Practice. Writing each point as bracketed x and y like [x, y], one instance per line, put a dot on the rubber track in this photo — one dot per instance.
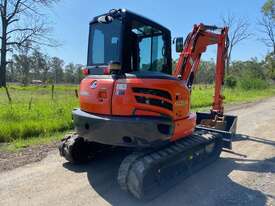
[181, 159]
[66, 147]
[76, 150]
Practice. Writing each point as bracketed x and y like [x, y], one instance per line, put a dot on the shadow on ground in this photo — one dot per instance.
[242, 137]
[210, 186]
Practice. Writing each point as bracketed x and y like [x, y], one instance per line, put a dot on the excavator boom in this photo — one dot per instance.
[195, 44]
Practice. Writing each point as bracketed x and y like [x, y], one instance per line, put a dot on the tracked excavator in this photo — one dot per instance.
[131, 98]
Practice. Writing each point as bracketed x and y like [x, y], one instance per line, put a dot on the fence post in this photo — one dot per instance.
[52, 90]
[8, 94]
[76, 93]
[30, 104]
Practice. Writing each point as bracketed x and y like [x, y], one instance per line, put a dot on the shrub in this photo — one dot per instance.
[231, 81]
[252, 83]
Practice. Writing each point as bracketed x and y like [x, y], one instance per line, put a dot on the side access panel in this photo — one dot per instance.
[95, 94]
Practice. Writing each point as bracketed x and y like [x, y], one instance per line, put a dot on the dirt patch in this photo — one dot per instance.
[10, 160]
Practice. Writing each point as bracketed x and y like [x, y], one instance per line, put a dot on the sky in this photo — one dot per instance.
[71, 19]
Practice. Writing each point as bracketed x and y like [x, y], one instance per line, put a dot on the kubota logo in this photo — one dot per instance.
[94, 84]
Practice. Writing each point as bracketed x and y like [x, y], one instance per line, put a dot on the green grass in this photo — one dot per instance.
[203, 96]
[20, 143]
[45, 119]
[33, 112]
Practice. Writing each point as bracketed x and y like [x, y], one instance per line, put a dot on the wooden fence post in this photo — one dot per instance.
[76, 93]
[30, 104]
[52, 90]
[8, 94]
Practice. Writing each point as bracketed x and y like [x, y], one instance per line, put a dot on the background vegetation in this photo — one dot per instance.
[29, 65]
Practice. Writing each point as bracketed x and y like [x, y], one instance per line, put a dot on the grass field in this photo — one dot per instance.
[33, 112]
[203, 96]
[36, 116]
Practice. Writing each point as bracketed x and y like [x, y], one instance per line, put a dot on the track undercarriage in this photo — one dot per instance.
[147, 173]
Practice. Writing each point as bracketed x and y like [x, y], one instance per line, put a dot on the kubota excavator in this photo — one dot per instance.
[131, 98]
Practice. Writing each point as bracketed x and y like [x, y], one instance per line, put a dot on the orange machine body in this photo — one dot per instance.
[131, 97]
[126, 101]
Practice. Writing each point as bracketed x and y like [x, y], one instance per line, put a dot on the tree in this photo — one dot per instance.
[252, 69]
[11, 76]
[22, 21]
[57, 69]
[206, 72]
[269, 64]
[268, 9]
[79, 74]
[38, 62]
[22, 63]
[45, 68]
[267, 24]
[238, 32]
[70, 71]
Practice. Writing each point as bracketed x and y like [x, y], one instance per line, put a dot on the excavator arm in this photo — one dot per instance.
[195, 44]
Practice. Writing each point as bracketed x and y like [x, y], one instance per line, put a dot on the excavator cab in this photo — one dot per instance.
[124, 41]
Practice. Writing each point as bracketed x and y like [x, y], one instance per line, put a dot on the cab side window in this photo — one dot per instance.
[149, 51]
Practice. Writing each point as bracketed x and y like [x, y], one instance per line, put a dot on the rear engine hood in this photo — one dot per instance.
[96, 94]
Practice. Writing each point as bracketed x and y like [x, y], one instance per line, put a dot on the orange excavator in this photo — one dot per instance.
[131, 98]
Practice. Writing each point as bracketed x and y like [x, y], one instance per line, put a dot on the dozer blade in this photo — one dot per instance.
[226, 126]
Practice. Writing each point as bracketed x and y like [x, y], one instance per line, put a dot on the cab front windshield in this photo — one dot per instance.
[104, 43]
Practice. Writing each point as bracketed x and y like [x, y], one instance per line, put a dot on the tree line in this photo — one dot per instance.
[27, 67]
[262, 71]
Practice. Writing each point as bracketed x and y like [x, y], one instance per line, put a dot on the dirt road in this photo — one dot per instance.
[232, 180]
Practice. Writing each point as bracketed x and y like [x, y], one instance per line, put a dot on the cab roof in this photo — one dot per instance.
[124, 12]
